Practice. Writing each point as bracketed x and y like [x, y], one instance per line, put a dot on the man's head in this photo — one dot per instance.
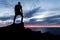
[19, 3]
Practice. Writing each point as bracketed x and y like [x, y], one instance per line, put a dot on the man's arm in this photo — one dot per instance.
[21, 9]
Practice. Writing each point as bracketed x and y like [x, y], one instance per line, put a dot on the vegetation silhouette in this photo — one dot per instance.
[27, 33]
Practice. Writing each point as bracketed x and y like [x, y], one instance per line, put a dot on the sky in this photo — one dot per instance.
[34, 11]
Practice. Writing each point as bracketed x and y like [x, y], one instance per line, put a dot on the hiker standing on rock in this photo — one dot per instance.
[18, 11]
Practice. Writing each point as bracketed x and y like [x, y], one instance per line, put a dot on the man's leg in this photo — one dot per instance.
[14, 19]
[21, 17]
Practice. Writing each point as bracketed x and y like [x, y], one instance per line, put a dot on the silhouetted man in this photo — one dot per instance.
[18, 11]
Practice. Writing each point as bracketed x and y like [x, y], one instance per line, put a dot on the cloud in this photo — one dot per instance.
[36, 15]
[50, 4]
[6, 12]
[45, 17]
[31, 12]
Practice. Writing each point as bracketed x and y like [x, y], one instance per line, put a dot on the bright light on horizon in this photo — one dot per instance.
[41, 26]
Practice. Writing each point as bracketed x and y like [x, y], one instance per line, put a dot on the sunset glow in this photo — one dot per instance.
[41, 26]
